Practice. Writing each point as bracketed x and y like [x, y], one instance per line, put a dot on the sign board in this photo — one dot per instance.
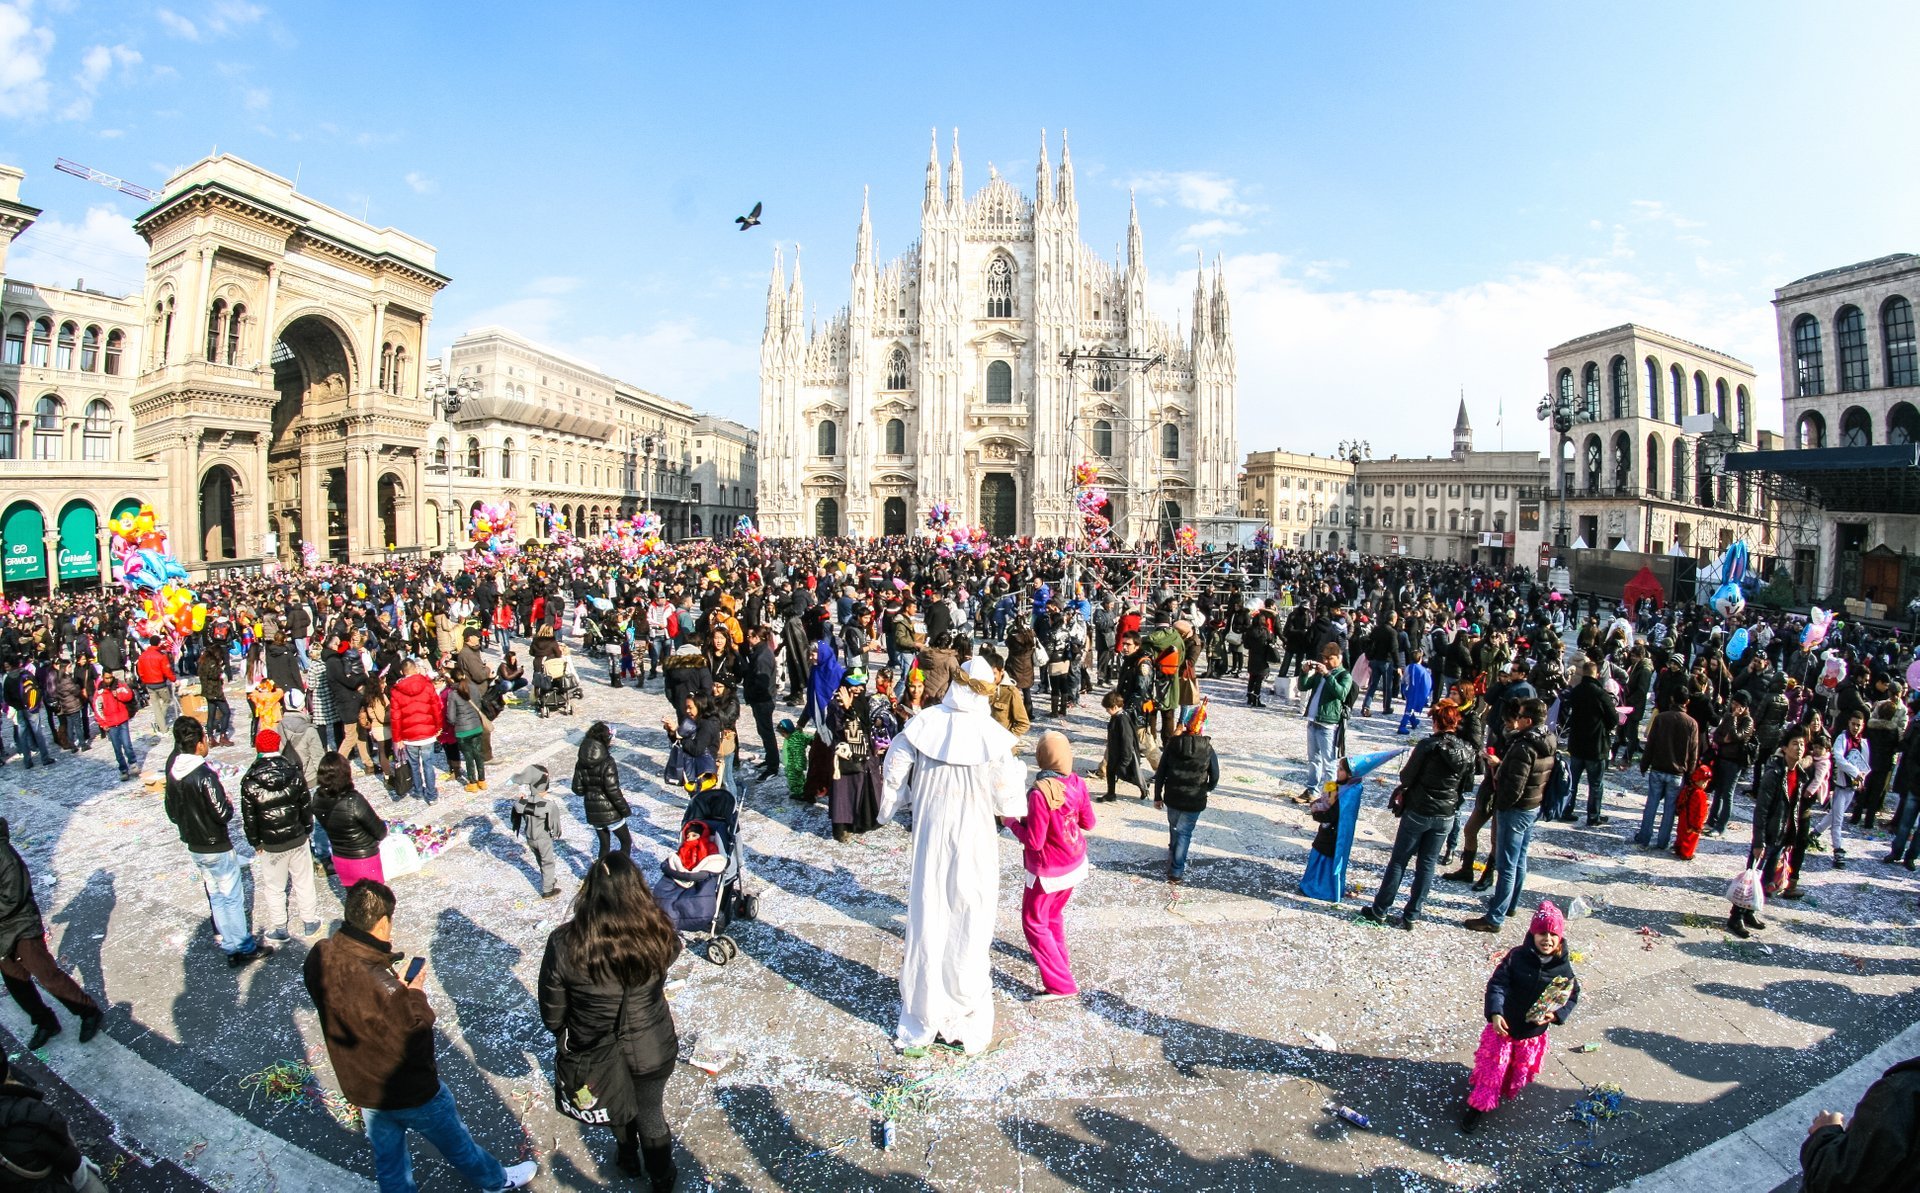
[24, 533]
[79, 543]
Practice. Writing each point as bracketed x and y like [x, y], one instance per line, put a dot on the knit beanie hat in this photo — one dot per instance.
[267, 741]
[1548, 919]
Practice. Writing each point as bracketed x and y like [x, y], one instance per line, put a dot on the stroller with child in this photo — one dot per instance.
[700, 886]
[556, 687]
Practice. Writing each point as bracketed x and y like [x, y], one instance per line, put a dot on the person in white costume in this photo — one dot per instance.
[954, 767]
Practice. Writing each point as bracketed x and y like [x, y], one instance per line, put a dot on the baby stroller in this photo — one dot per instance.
[559, 688]
[700, 887]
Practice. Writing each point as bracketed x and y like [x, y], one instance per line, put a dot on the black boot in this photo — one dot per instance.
[1753, 921]
[1735, 926]
[628, 1155]
[661, 1170]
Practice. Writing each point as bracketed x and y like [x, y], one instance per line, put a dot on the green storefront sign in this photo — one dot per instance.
[79, 543]
[23, 533]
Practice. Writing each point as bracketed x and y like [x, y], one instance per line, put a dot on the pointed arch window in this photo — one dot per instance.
[1566, 387]
[1590, 389]
[1103, 377]
[897, 368]
[1678, 394]
[1103, 439]
[1720, 402]
[1654, 454]
[1699, 393]
[1810, 376]
[1622, 403]
[1896, 332]
[1850, 329]
[1653, 389]
[1000, 289]
[1743, 411]
[63, 353]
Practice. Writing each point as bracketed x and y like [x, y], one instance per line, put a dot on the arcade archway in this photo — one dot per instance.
[219, 529]
[313, 374]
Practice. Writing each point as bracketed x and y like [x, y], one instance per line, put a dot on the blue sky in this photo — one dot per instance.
[1410, 200]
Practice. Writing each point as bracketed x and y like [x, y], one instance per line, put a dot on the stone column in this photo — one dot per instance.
[50, 542]
[267, 332]
[105, 555]
[202, 300]
[359, 489]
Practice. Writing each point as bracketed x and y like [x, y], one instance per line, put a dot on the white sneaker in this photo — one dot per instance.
[521, 1175]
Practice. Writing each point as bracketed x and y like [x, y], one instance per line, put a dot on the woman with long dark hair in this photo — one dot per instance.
[602, 981]
[596, 780]
[353, 828]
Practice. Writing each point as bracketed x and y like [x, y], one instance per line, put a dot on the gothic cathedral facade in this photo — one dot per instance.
[981, 367]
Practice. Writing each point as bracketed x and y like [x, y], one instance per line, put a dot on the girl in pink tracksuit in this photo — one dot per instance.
[1054, 834]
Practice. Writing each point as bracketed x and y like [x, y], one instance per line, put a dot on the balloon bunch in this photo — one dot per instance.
[140, 548]
[743, 528]
[1085, 473]
[1187, 540]
[961, 540]
[1091, 501]
[1263, 539]
[1833, 671]
[1819, 621]
[635, 538]
[939, 516]
[491, 528]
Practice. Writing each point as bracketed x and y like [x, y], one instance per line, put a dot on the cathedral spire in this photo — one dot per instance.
[1220, 316]
[776, 295]
[797, 296]
[1136, 255]
[1042, 176]
[933, 168]
[863, 244]
[1202, 314]
[1066, 173]
[956, 190]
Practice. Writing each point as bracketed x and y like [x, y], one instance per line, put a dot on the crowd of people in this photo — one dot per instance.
[917, 678]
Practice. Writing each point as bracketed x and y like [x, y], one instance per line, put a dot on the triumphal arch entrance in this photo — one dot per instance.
[281, 381]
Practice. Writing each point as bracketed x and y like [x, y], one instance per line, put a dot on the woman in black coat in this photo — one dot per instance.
[1433, 781]
[596, 780]
[354, 830]
[602, 980]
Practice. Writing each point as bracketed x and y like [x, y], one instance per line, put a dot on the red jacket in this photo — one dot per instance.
[413, 710]
[111, 704]
[153, 666]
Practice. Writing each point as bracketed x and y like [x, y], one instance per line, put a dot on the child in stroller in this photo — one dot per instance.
[700, 887]
[557, 687]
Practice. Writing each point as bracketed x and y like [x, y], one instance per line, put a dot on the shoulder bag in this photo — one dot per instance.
[593, 1085]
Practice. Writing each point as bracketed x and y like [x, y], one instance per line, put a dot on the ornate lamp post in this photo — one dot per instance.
[1562, 413]
[1355, 450]
[447, 396]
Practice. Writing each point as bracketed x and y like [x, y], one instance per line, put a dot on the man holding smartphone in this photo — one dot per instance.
[1327, 685]
[379, 1032]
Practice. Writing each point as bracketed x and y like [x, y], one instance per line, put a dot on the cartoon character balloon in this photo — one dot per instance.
[1737, 645]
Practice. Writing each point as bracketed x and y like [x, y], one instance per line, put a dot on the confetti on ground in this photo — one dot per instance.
[1647, 938]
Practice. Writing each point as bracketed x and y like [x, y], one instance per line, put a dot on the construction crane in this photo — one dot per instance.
[92, 175]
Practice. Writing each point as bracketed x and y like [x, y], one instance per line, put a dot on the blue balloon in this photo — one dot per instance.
[1737, 645]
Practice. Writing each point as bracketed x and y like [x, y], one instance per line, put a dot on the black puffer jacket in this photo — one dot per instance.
[1770, 803]
[1525, 766]
[353, 827]
[346, 681]
[586, 1013]
[19, 914]
[596, 780]
[1592, 716]
[687, 674]
[275, 807]
[1519, 981]
[198, 805]
[1438, 774]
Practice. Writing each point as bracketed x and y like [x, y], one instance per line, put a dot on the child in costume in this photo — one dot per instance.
[1123, 746]
[1531, 989]
[1418, 690]
[1694, 802]
[1054, 835]
[534, 818]
[793, 757]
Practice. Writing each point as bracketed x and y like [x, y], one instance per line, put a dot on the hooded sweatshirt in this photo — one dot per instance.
[1053, 831]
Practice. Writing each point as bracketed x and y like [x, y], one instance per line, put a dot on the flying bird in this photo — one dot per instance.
[749, 220]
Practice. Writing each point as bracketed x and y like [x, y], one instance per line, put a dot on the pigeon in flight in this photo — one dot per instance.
[749, 220]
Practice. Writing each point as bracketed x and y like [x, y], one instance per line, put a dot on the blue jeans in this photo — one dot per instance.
[227, 898]
[320, 845]
[1381, 678]
[1322, 761]
[439, 1121]
[79, 733]
[420, 763]
[1595, 771]
[1422, 835]
[27, 739]
[122, 742]
[1906, 842]
[1179, 837]
[1663, 794]
[1512, 834]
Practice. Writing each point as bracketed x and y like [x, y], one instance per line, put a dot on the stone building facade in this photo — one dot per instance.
[1639, 471]
[982, 365]
[726, 474]
[1467, 506]
[68, 359]
[537, 426]
[1850, 378]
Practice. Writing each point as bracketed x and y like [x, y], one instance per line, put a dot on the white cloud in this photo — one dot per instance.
[218, 19]
[1212, 230]
[1318, 364]
[555, 284]
[256, 99]
[24, 48]
[96, 65]
[1195, 190]
[102, 248]
[421, 184]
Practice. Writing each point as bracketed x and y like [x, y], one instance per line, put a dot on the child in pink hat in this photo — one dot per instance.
[1531, 989]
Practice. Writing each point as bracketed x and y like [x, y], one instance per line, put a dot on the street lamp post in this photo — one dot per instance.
[1562, 413]
[1355, 450]
[447, 396]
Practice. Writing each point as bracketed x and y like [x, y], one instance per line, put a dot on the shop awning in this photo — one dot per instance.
[1867, 480]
